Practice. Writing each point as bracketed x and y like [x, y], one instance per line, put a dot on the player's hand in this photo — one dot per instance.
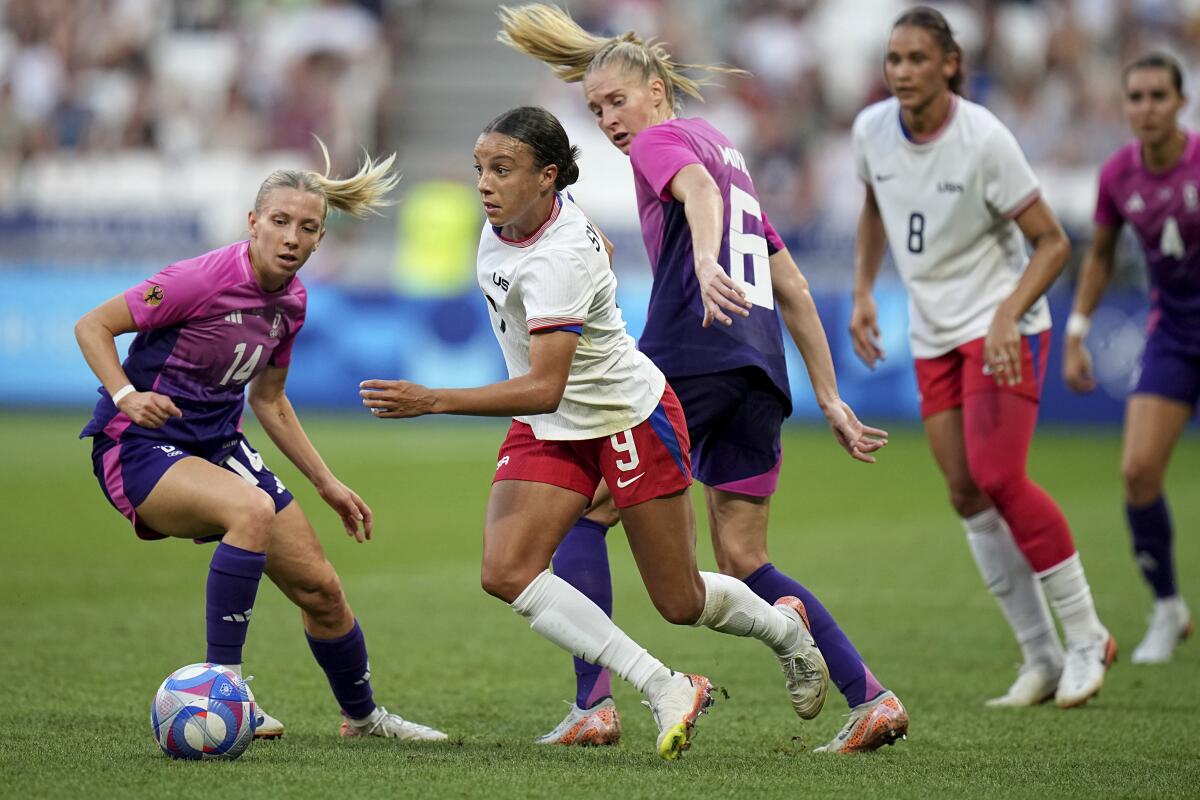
[859, 440]
[864, 330]
[349, 506]
[1002, 349]
[396, 399]
[148, 409]
[1077, 366]
[720, 293]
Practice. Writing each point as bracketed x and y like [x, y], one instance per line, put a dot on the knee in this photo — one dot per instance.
[682, 607]
[251, 517]
[1143, 481]
[968, 499]
[503, 582]
[740, 563]
[604, 513]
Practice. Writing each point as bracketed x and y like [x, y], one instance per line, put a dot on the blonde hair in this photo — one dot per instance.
[361, 194]
[550, 35]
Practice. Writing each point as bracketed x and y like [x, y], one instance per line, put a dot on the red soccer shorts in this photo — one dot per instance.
[647, 461]
[944, 381]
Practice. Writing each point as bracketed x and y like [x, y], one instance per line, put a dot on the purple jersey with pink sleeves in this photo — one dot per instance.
[205, 329]
[1164, 209]
[673, 337]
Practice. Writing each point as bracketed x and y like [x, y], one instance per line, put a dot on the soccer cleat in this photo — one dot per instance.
[598, 725]
[1083, 671]
[871, 725]
[390, 726]
[1035, 684]
[1170, 624]
[807, 675]
[676, 710]
[266, 726]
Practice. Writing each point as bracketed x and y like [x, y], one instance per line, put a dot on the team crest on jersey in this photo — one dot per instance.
[1135, 204]
[153, 296]
[1191, 197]
[275, 325]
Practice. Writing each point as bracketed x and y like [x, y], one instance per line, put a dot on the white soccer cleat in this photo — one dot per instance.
[804, 668]
[1035, 684]
[872, 725]
[267, 727]
[1083, 671]
[676, 709]
[1170, 624]
[390, 726]
[598, 725]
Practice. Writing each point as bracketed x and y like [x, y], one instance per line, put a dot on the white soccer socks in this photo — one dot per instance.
[1071, 598]
[1012, 582]
[731, 607]
[565, 616]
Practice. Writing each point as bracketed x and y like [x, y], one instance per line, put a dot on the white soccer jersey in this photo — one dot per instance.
[559, 278]
[948, 207]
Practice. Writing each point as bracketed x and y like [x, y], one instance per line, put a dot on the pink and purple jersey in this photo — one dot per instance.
[205, 329]
[1164, 209]
[673, 337]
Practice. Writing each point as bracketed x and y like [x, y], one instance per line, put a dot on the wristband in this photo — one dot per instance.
[123, 392]
[1078, 325]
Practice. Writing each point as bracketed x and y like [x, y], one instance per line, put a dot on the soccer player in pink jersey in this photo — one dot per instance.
[716, 258]
[949, 191]
[587, 406]
[1153, 184]
[168, 447]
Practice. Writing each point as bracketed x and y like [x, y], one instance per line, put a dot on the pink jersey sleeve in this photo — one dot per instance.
[1108, 213]
[774, 240]
[657, 154]
[178, 293]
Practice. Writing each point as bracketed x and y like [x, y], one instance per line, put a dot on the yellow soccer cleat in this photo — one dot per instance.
[676, 710]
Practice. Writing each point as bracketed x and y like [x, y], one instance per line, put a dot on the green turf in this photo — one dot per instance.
[91, 620]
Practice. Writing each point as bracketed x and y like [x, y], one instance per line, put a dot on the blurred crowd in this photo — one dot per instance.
[177, 76]
[173, 77]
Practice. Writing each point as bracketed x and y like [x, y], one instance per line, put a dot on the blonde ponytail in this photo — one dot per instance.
[548, 34]
[362, 193]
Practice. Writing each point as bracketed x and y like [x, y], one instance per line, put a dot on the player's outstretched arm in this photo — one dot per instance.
[96, 332]
[1002, 345]
[803, 322]
[1093, 280]
[278, 418]
[869, 246]
[705, 211]
[538, 391]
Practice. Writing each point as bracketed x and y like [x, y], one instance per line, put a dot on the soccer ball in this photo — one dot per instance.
[203, 711]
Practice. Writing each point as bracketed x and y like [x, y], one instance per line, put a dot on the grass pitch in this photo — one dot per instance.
[91, 620]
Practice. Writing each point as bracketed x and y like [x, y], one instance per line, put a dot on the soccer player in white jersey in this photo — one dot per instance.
[1152, 184]
[948, 189]
[587, 406]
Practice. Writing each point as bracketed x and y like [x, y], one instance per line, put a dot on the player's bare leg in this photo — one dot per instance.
[296, 563]
[195, 499]
[1004, 569]
[1153, 424]
[581, 559]
[738, 523]
[662, 537]
[517, 548]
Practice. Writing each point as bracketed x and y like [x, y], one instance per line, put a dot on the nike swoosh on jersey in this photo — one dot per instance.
[881, 178]
[622, 483]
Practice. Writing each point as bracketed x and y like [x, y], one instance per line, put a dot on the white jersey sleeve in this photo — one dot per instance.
[1009, 183]
[558, 290]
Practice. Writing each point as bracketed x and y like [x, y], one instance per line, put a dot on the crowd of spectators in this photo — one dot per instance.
[175, 76]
